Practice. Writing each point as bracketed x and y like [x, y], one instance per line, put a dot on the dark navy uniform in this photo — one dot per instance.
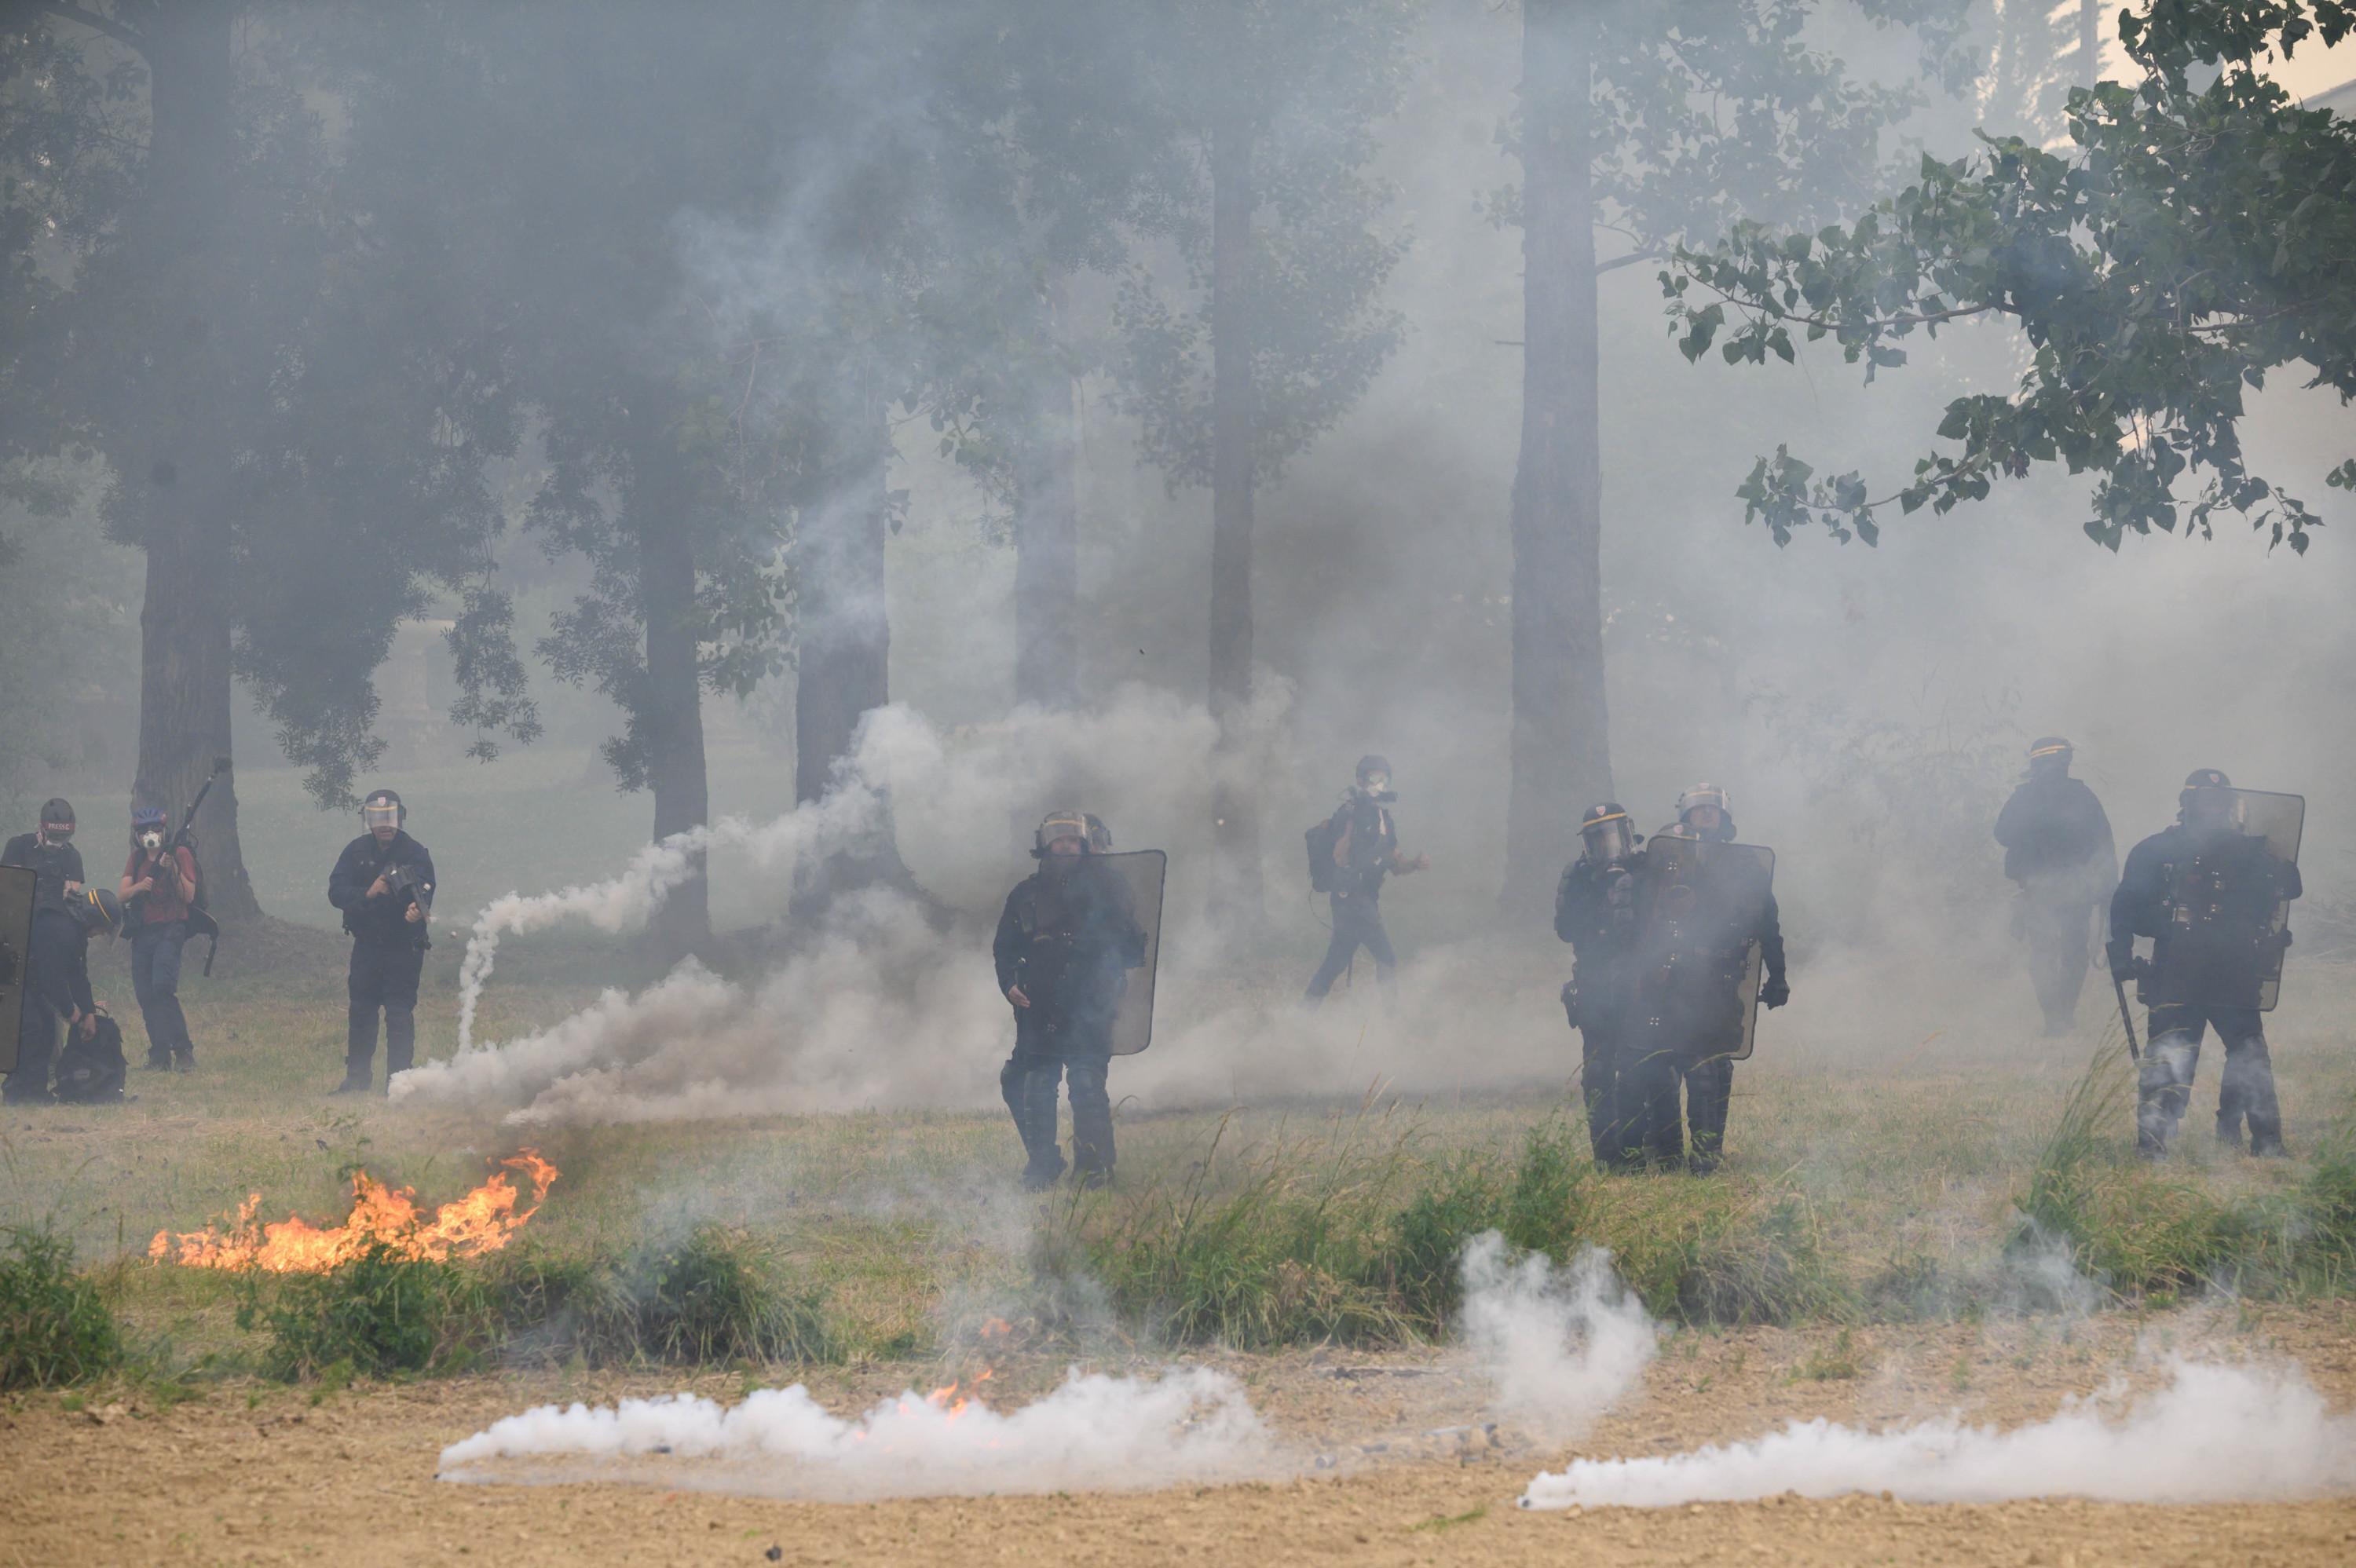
[387, 952]
[1068, 940]
[2058, 848]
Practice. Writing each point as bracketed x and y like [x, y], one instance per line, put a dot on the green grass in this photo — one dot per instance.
[1857, 1191]
[56, 1327]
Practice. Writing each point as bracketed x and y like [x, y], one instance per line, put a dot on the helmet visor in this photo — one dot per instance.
[1608, 840]
[379, 813]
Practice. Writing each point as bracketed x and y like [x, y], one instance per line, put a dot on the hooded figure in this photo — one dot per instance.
[2208, 893]
[2058, 850]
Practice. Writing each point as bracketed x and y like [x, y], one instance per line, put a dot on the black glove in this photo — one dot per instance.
[2125, 966]
[1775, 992]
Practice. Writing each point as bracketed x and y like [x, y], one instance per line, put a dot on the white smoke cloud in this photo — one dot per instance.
[1094, 1433]
[1561, 1344]
[2213, 1434]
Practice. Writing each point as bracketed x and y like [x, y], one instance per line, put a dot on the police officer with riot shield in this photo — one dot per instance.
[57, 869]
[383, 881]
[1710, 954]
[1075, 952]
[2214, 892]
[1363, 849]
[2058, 850]
[1595, 911]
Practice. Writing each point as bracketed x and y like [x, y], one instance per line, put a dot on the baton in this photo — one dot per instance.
[2126, 1017]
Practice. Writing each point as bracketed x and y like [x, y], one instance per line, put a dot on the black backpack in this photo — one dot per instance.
[1325, 876]
[92, 1071]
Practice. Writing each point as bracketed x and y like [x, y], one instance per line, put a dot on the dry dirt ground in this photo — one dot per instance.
[260, 1474]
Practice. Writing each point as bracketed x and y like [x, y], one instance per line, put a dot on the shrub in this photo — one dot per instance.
[715, 1296]
[55, 1327]
[379, 1315]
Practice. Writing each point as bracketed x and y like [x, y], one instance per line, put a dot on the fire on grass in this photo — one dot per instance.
[483, 1220]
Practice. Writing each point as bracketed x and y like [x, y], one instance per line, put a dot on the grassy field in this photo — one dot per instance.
[1856, 1192]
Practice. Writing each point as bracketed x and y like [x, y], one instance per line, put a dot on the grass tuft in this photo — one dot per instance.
[56, 1327]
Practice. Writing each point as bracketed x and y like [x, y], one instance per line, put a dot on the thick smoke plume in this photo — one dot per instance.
[1563, 1345]
[1094, 1433]
[2214, 1434]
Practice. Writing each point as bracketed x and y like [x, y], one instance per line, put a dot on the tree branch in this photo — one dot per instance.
[1632, 259]
[94, 22]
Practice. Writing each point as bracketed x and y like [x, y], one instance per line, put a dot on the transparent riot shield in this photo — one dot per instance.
[1699, 908]
[1094, 943]
[2281, 821]
[16, 955]
[1141, 873]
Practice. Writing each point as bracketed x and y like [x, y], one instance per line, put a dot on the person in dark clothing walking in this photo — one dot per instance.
[1066, 942]
[59, 992]
[57, 878]
[2210, 894]
[1366, 850]
[1690, 1037]
[1595, 911]
[383, 882]
[159, 884]
[2058, 850]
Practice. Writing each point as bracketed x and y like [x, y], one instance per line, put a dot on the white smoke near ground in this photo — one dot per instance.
[2212, 1433]
[1094, 1433]
[1562, 1345]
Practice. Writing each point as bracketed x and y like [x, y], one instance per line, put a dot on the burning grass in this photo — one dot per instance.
[383, 1219]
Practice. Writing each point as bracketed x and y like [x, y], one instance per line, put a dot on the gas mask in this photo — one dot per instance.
[52, 832]
[151, 842]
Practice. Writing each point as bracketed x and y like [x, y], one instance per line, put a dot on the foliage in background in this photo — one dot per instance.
[2196, 238]
[55, 1327]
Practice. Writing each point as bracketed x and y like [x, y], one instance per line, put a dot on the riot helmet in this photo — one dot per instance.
[1075, 825]
[98, 908]
[56, 819]
[1604, 830]
[2049, 755]
[1375, 777]
[1703, 807]
[1099, 836]
[2208, 800]
[382, 813]
[148, 824]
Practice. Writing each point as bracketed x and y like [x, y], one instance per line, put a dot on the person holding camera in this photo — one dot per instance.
[383, 882]
[159, 882]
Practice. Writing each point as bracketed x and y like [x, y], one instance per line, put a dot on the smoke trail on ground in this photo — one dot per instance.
[1093, 1432]
[1562, 1345]
[2213, 1434]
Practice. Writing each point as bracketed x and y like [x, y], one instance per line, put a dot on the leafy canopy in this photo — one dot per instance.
[2194, 235]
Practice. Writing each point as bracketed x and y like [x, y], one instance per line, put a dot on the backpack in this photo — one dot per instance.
[92, 1071]
[1325, 876]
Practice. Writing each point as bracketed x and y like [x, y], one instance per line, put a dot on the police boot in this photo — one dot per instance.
[356, 1082]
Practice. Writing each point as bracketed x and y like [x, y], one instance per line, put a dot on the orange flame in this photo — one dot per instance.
[483, 1220]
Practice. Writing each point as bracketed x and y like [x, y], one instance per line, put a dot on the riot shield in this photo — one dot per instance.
[1699, 905]
[1141, 873]
[2280, 820]
[16, 955]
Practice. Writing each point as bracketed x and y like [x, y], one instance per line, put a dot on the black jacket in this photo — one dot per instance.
[54, 865]
[1595, 906]
[380, 922]
[1069, 942]
[59, 962]
[2208, 901]
[2056, 839]
[1368, 841]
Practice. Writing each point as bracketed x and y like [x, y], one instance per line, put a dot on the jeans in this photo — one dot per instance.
[156, 981]
[1357, 922]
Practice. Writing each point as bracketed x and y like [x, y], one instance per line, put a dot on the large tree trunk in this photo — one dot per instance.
[1561, 749]
[1047, 550]
[673, 723]
[1236, 871]
[174, 446]
[2090, 41]
[843, 634]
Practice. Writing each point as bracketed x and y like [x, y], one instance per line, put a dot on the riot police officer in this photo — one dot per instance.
[1067, 942]
[2058, 850]
[1691, 1038]
[1595, 911]
[1364, 851]
[57, 881]
[2212, 892]
[383, 881]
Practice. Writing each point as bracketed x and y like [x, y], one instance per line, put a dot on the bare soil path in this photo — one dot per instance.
[258, 1474]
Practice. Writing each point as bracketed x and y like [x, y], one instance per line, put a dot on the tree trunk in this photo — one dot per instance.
[1236, 889]
[1561, 749]
[673, 723]
[173, 445]
[1047, 550]
[2090, 41]
[843, 632]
